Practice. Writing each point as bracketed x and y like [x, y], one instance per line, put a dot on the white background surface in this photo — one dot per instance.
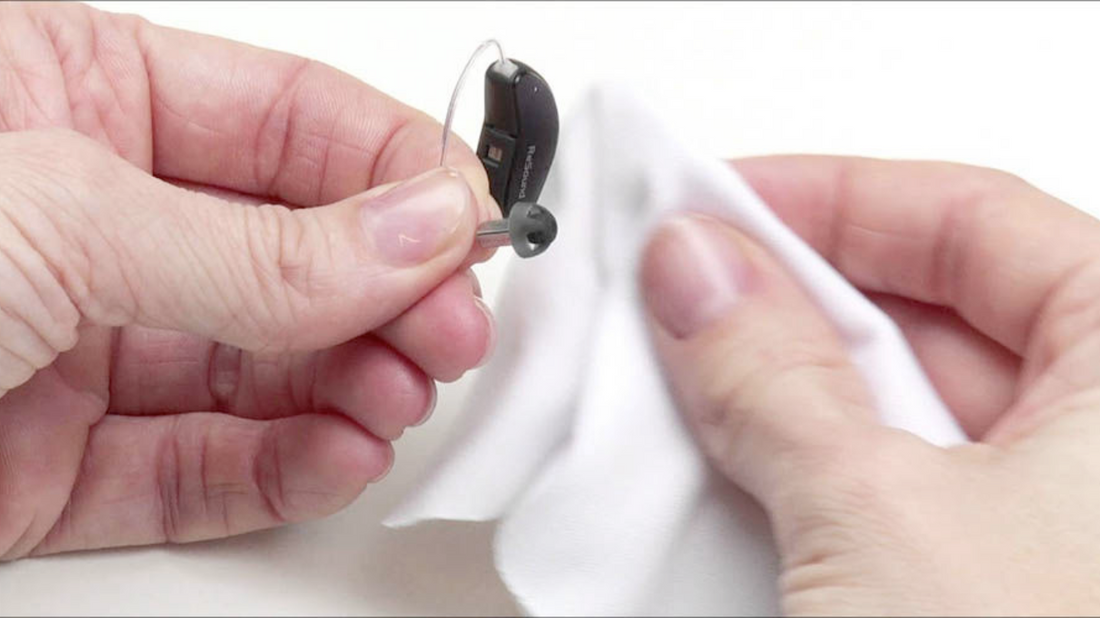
[1004, 85]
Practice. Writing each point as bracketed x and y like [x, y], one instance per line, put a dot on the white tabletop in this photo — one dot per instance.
[1010, 86]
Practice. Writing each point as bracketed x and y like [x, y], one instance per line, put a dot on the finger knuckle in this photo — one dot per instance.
[14, 371]
[285, 253]
[788, 374]
[268, 478]
[796, 394]
[49, 183]
[194, 501]
[1070, 316]
[869, 475]
[795, 362]
[869, 492]
[285, 139]
[998, 180]
[975, 181]
[38, 319]
[169, 487]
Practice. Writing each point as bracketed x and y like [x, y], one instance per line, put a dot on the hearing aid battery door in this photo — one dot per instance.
[520, 132]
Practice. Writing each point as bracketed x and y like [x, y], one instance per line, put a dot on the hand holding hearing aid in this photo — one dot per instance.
[267, 331]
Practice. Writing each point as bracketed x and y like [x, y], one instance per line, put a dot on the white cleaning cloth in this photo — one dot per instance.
[569, 439]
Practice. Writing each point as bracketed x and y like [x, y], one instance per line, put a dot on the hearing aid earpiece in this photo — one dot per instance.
[529, 228]
[518, 138]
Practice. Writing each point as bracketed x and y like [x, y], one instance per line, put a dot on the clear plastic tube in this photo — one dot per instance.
[458, 88]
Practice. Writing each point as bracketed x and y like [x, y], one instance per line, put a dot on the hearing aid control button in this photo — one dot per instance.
[495, 149]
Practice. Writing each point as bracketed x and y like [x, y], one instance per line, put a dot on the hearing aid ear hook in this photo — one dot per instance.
[458, 89]
[519, 135]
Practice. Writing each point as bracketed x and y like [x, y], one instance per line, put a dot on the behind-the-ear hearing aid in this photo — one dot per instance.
[518, 137]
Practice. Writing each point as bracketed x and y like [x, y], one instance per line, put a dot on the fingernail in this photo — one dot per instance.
[692, 274]
[475, 284]
[389, 466]
[491, 345]
[419, 218]
[431, 406]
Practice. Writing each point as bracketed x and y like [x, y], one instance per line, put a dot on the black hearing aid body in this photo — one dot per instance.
[519, 134]
[518, 138]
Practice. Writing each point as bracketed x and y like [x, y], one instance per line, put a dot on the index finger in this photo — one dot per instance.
[992, 247]
[268, 123]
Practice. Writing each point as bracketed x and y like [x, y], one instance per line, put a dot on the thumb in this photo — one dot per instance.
[130, 248]
[761, 375]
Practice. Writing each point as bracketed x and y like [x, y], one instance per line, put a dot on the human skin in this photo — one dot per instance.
[994, 283]
[176, 366]
[179, 364]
